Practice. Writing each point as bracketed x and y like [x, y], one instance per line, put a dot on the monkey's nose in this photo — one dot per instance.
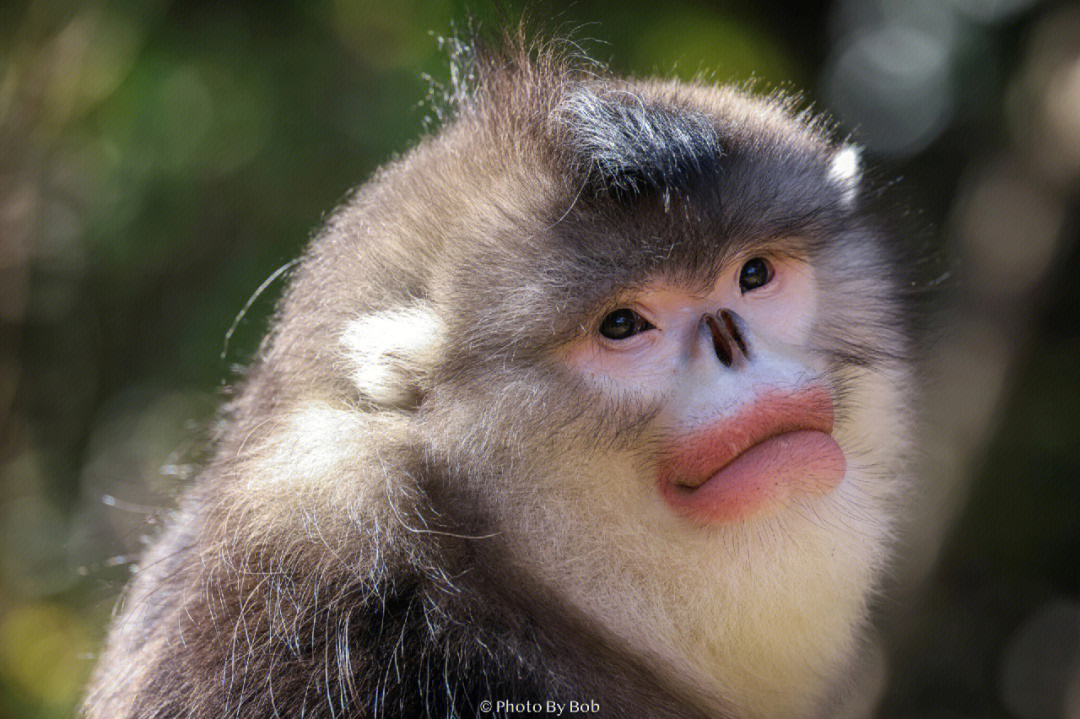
[728, 339]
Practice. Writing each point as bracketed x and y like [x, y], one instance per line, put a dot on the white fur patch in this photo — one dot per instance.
[315, 475]
[846, 173]
[389, 352]
[308, 448]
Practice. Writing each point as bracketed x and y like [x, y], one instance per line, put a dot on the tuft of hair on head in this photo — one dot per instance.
[629, 145]
[511, 73]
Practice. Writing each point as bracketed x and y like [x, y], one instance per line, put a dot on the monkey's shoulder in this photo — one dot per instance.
[297, 628]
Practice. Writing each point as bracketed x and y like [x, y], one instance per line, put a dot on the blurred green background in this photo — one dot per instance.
[159, 160]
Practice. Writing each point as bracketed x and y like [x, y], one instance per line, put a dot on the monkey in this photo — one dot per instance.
[597, 400]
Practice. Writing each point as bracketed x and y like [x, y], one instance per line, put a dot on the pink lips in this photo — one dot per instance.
[773, 449]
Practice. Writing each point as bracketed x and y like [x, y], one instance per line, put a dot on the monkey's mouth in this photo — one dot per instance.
[778, 447]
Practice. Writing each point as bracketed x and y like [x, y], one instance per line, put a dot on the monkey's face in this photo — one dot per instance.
[746, 416]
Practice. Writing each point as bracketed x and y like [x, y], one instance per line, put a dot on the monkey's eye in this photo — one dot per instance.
[623, 323]
[755, 273]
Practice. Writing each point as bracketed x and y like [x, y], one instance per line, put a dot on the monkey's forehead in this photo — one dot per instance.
[618, 179]
[716, 163]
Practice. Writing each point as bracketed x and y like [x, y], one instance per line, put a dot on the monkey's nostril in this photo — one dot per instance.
[732, 321]
[728, 340]
[721, 345]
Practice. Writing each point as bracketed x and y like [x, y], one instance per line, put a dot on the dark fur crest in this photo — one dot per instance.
[631, 147]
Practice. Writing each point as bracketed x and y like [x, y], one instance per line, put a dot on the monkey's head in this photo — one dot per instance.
[645, 338]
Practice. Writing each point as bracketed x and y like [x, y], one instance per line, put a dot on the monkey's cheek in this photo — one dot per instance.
[762, 479]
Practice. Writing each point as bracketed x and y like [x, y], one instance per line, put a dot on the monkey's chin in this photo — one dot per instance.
[761, 479]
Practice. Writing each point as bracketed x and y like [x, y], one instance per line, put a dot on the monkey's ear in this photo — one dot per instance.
[845, 172]
[391, 353]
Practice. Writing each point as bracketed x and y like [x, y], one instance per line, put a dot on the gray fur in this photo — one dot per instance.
[345, 551]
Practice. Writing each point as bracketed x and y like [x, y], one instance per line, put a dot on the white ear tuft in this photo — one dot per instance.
[846, 173]
[390, 351]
